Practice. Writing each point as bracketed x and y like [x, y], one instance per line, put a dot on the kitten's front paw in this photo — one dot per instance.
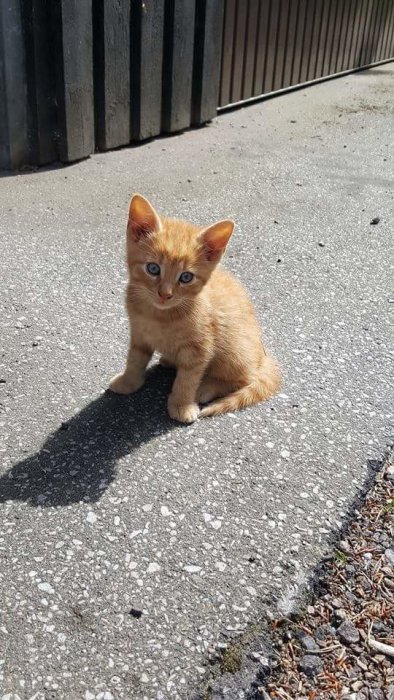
[122, 384]
[186, 413]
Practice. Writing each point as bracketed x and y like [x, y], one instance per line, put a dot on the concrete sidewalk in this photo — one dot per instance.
[106, 505]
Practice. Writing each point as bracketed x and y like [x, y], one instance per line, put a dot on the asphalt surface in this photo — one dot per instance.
[107, 505]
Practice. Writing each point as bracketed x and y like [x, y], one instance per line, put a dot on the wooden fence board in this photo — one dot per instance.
[73, 36]
[14, 146]
[178, 64]
[111, 22]
[207, 55]
[147, 37]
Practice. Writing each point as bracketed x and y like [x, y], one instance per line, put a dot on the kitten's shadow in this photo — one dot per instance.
[77, 462]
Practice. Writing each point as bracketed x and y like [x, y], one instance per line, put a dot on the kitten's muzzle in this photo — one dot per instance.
[165, 293]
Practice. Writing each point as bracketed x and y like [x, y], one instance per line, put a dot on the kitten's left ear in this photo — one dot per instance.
[215, 239]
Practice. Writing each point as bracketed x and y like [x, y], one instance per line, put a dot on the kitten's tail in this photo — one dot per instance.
[262, 388]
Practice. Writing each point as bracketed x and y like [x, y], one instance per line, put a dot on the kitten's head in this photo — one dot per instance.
[169, 260]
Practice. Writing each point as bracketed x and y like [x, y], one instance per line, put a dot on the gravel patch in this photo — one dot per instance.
[343, 646]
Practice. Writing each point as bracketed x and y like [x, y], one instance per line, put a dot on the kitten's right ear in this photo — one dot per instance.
[143, 220]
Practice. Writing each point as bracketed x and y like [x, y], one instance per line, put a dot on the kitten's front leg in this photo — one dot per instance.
[133, 376]
[182, 404]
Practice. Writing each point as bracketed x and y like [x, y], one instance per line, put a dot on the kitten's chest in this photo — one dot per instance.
[164, 338]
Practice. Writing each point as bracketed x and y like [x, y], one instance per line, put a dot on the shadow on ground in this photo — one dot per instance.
[77, 462]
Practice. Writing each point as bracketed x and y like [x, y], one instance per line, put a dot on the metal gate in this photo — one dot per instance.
[269, 45]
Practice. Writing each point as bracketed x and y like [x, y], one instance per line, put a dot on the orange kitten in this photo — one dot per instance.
[195, 314]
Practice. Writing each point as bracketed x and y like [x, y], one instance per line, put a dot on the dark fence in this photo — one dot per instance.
[269, 45]
[82, 75]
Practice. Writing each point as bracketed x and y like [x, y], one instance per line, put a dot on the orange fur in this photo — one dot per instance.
[207, 328]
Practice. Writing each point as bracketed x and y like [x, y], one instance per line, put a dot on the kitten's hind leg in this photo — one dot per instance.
[211, 389]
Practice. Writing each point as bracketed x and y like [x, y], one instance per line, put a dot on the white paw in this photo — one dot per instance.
[186, 413]
[122, 384]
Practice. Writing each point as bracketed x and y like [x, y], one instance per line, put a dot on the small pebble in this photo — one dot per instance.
[311, 665]
[389, 472]
[389, 554]
[325, 631]
[308, 642]
[376, 694]
[348, 632]
[375, 220]
[135, 612]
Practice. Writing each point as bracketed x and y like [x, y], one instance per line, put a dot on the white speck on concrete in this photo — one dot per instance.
[91, 517]
[220, 565]
[153, 568]
[216, 524]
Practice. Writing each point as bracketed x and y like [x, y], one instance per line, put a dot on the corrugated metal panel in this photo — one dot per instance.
[273, 44]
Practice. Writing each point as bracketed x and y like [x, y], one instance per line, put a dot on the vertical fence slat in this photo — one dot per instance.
[178, 64]
[335, 36]
[361, 30]
[299, 42]
[261, 48]
[307, 43]
[14, 149]
[73, 56]
[325, 11]
[382, 39]
[206, 64]
[40, 82]
[315, 40]
[391, 49]
[365, 34]
[356, 32]
[111, 19]
[239, 50]
[272, 40]
[250, 50]
[352, 28]
[375, 36]
[330, 36]
[147, 37]
[281, 46]
[389, 31]
[291, 39]
[370, 32]
[227, 52]
[342, 39]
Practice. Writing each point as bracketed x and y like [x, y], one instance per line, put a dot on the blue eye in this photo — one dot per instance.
[153, 269]
[186, 277]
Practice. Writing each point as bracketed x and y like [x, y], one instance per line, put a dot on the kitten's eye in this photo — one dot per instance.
[153, 269]
[186, 277]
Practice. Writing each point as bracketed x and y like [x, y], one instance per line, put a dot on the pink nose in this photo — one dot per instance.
[165, 295]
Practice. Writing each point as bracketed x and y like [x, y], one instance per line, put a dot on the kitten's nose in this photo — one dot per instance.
[165, 293]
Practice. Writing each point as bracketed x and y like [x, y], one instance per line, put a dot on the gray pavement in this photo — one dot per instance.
[108, 506]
